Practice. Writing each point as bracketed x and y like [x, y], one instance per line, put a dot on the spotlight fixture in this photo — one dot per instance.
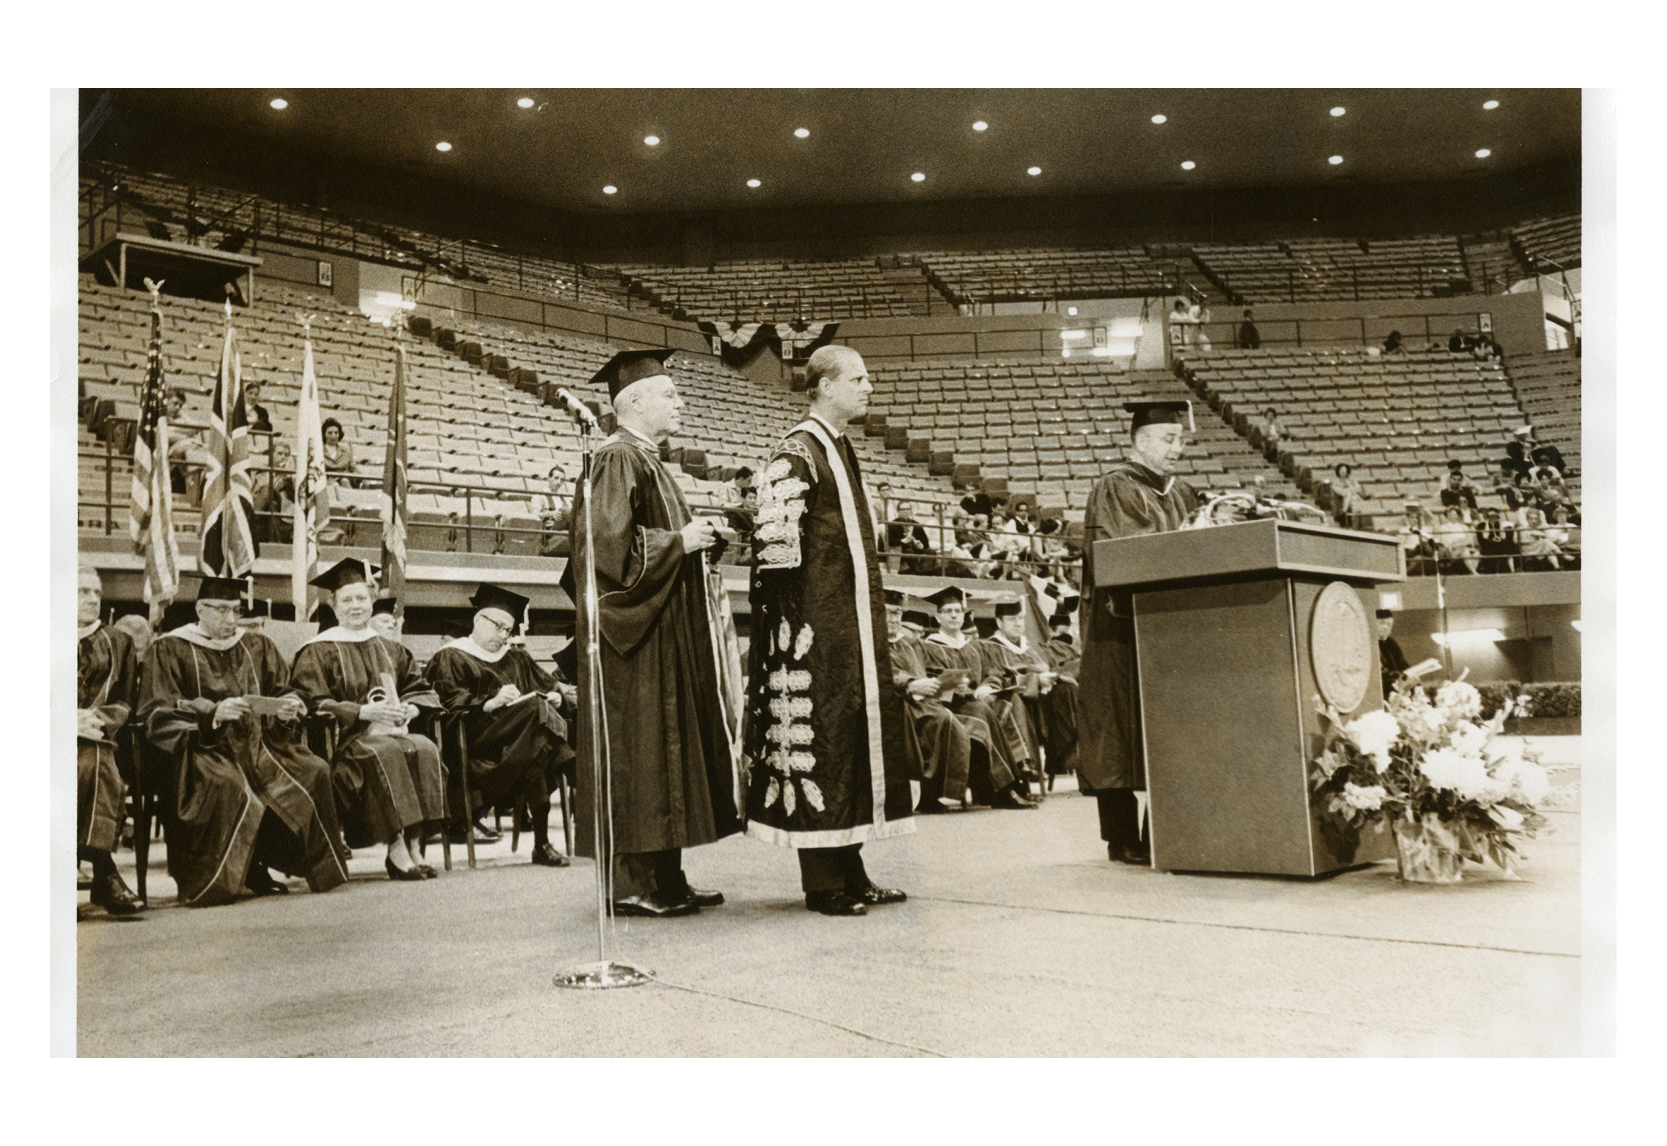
[1335, 160]
[1160, 119]
[1483, 153]
[1188, 165]
[754, 183]
[1490, 105]
[279, 104]
[651, 140]
[1337, 111]
[524, 101]
[919, 177]
[980, 126]
[1033, 171]
[802, 132]
[442, 146]
[609, 189]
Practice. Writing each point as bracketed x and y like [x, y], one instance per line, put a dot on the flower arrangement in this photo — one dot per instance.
[1429, 768]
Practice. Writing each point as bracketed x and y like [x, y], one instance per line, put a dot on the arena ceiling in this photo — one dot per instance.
[866, 145]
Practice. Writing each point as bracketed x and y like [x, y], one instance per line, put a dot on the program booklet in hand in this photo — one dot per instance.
[268, 705]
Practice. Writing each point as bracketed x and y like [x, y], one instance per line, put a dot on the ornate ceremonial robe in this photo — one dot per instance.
[943, 742]
[824, 716]
[1009, 749]
[1130, 500]
[670, 753]
[1052, 714]
[520, 749]
[107, 675]
[386, 781]
[224, 779]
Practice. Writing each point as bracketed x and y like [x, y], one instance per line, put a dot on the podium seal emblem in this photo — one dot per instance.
[1340, 646]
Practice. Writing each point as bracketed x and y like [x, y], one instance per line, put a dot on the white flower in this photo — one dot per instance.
[1528, 781]
[1469, 740]
[1366, 799]
[1445, 768]
[1456, 698]
[1373, 734]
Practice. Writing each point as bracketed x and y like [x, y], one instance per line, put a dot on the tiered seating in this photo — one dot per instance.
[1315, 269]
[1052, 273]
[1545, 244]
[1397, 419]
[1049, 429]
[1548, 386]
[762, 290]
[1491, 265]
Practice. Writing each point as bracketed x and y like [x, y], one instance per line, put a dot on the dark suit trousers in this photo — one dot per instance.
[832, 869]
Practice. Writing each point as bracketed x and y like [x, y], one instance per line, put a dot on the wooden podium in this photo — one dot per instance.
[1238, 629]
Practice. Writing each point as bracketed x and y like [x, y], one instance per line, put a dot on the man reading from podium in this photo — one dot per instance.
[1137, 496]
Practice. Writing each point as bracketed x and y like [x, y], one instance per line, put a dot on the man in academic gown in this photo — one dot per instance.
[243, 793]
[388, 779]
[1391, 660]
[106, 679]
[942, 744]
[669, 744]
[1049, 701]
[824, 718]
[950, 650]
[382, 618]
[518, 739]
[1137, 496]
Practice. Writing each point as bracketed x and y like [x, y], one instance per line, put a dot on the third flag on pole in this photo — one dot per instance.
[312, 490]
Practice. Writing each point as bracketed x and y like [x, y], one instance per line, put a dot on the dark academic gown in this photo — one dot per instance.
[942, 742]
[1130, 500]
[107, 676]
[519, 749]
[1063, 654]
[825, 719]
[1009, 748]
[385, 781]
[669, 748]
[1393, 662]
[222, 781]
[1053, 714]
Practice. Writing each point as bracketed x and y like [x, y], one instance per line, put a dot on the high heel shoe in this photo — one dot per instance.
[411, 875]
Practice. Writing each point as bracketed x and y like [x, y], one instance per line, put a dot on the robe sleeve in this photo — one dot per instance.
[537, 678]
[173, 720]
[993, 668]
[786, 493]
[315, 679]
[637, 565]
[453, 683]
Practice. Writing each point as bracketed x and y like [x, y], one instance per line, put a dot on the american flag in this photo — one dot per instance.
[150, 520]
[229, 547]
[312, 489]
[393, 485]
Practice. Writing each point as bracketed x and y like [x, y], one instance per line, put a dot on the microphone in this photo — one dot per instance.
[573, 405]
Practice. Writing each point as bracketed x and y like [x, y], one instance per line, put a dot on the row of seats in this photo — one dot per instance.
[1544, 244]
[764, 291]
[1548, 386]
[1052, 273]
[1315, 269]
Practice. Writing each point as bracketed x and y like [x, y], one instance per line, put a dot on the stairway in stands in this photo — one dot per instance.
[1548, 387]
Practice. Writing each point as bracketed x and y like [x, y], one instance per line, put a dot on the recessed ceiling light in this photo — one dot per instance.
[1160, 119]
[918, 177]
[651, 140]
[279, 104]
[1188, 165]
[442, 146]
[1490, 105]
[609, 189]
[1033, 171]
[1337, 111]
[524, 101]
[802, 132]
[980, 126]
[1071, 310]
[1483, 153]
[1335, 160]
[754, 183]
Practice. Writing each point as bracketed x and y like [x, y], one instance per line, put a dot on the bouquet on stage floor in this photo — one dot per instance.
[1431, 771]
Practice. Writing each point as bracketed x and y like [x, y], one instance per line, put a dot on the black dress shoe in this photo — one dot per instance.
[653, 907]
[405, 875]
[699, 896]
[930, 808]
[834, 903]
[425, 871]
[1130, 853]
[113, 895]
[1012, 801]
[483, 834]
[260, 881]
[874, 896]
[546, 855]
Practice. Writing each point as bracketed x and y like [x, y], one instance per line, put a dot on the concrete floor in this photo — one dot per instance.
[1019, 939]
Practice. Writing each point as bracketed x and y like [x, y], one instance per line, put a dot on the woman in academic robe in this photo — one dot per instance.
[388, 780]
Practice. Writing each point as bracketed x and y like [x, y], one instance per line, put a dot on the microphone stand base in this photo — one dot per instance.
[602, 976]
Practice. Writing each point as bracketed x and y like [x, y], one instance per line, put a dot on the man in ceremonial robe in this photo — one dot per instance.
[511, 708]
[1049, 701]
[669, 746]
[106, 678]
[942, 744]
[950, 650]
[1137, 496]
[388, 779]
[244, 794]
[825, 718]
[1391, 660]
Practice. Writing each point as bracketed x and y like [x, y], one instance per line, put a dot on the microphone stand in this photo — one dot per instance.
[603, 973]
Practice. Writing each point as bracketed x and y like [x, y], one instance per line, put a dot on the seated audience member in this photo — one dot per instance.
[1540, 546]
[943, 746]
[338, 455]
[1200, 315]
[1496, 540]
[106, 679]
[254, 414]
[1180, 316]
[1522, 493]
[518, 740]
[1047, 701]
[1346, 494]
[1457, 492]
[1392, 662]
[1249, 337]
[1393, 344]
[1050, 546]
[908, 537]
[742, 517]
[1457, 540]
[1416, 539]
[554, 509]
[245, 794]
[388, 779]
[1550, 457]
[186, 454]
[272, 492]
[735, 490]
[1458, 344]
[949, 650]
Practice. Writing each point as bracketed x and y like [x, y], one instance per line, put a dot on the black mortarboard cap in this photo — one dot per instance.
[497, 597]
[916, 617]
[221, 589]
[630, 366]
[257, 608]
[176, 614]
[384, 605]
[350, 571]
[1386, 612]
[947, 594]
[1009, 608]
[894, 597]
[1161, 413]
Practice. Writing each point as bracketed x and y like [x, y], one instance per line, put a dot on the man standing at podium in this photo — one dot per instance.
[1137, 496]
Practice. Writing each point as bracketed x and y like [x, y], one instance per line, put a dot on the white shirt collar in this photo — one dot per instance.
[829, 426]
[1002, 637]
[943, 639]
[467, 645]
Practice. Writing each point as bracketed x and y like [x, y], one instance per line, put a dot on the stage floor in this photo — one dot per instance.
[1019, 939]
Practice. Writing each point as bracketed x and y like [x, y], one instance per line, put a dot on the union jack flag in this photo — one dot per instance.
[394, 486]
[312, 489]
[150, 519]
[229, 547]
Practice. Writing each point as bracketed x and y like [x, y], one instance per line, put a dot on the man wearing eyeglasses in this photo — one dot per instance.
[518, 739]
